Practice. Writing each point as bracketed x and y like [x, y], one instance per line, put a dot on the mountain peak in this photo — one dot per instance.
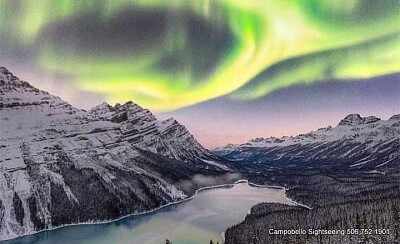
[356, 119]
[19, 93]
[107, 111]
[351, 119]
[6, 74]
[371, 119]
[10, 81]
[170, 120]
[103, 105]
[128, 106]
[395, 117]
[101, 110]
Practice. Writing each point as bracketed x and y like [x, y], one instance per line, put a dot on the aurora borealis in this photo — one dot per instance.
[167, 55]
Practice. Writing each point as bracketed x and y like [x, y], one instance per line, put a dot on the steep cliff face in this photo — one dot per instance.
[61, 165]
[141, 128]
[366, 144]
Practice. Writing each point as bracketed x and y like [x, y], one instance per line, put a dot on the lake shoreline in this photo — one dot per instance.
[280, 187]
[266, 186]
[230, 185]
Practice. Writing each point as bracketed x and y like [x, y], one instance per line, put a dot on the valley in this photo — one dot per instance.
[60, 165]
[348, 174]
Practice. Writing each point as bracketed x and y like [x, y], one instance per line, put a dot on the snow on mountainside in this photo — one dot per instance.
[141, 128]
[61, 165]
[356, 143]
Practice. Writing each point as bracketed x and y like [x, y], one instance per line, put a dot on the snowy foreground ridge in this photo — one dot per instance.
[61, 165]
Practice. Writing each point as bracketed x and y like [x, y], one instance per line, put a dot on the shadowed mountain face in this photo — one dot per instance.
[61, 165]
[357, 144]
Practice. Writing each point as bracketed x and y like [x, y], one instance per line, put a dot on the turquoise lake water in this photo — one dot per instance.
[196, 221]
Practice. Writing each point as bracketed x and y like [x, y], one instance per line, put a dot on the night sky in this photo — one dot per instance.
[229, 70]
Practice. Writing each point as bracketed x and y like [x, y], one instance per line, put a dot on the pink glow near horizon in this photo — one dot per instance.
[213, 135]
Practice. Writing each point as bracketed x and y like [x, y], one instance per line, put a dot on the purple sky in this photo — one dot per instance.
[294, 110]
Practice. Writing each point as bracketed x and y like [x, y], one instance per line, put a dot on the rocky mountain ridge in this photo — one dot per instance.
[356, 143]
[61, 165]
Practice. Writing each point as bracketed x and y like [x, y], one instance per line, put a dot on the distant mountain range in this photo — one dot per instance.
[62, 165]
[364, 144]
[348, 174]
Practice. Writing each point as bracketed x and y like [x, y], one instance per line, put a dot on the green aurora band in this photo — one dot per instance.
[184, 52]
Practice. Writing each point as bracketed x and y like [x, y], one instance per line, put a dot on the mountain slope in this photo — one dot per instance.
[61, 165]
[366, 144]
[348, 175]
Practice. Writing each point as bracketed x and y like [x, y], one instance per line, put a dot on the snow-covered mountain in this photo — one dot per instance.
[358, 143]
[61, 165]
[141, 128]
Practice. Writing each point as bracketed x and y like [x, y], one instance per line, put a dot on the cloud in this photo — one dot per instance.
[199, 181]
